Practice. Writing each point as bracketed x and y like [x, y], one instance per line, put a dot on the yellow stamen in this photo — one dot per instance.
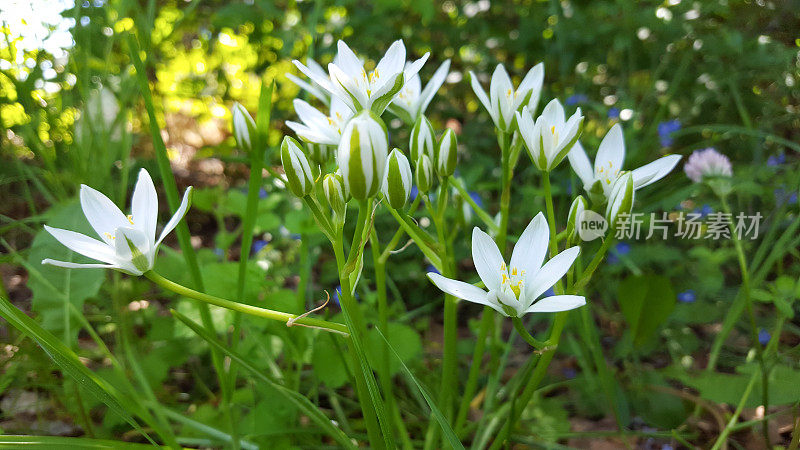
[130, 219]
[108, 235]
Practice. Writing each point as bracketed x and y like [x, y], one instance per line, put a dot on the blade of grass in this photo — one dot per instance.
[302, 403]
[10, 441]
[68, 361]
[447, 431]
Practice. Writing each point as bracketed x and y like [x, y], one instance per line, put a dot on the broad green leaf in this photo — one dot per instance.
[68, 361]
[402, 338]
[328, 364]
[301, 402]
[728, 388]
[645, 301]
[447, 431]
[58, 285]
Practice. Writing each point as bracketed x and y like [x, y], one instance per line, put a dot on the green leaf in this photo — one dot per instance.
[69, 363]
[301, 402]
[49, 442]
[54, 287]
[782, 385]
[402, 338]
[327, 363]
[645, 301]
[447, 431]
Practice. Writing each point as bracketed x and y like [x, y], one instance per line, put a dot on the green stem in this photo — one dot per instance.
[487, 320]
[366, 387]
[524, 334]
[737, 243]
[505, 197]
[289, 319]
[551, 216]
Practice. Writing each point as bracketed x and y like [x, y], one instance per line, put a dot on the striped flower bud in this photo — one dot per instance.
[362, 155]
[397, 180]
[333, 189]
[575, 211]
[421, 138]
[621, 199]
[424, 173]
[296, 166]
[446, 155]
[244, 127]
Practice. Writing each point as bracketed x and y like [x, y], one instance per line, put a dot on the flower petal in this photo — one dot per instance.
[611, 153]
[581, 165]
[392, 62]
[488, 259]
[315, 76]
[532, 82]
[433, 86]
[173, 222]
[72, 265]
[480, 93]
[550, 273]
[532, 246]
[462, 290]
[144, 206]
[656, 170]
[557, 303]
[86, 246]
[103, 215]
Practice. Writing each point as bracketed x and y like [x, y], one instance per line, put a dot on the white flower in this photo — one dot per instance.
[551, 137]
[513, 289]
[707, 163]
[318, 128]
[348, 80]
[128, 243]
[621, 197]
[608, 164]
[412, 101]
[243, 126]
[503, 100]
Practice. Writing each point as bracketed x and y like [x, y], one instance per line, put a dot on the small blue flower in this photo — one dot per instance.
[763, 337]
[432, 269]
[219, 252]
[575, 99]
[613, 112]
[414, 193]
[258, 245]
[623, 248]
[476, 198]
[776, 160]
[781, 196]
[704, 211]
[336, 293]
[262, 193]
[666, 447]
[549, 293]
[612, 258]
[687, 296]
[665, 130]
[569, 373]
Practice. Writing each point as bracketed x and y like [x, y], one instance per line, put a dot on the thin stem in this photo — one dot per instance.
[737, 243]
[524, 334]
[505, 197]
[551, 216]
[289, 319]
[487, 320]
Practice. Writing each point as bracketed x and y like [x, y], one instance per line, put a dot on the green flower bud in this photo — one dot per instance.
[397, 180]
[244, 127]
[575, 211]
[447, 155]
[621, 198]
[421, 138]
[424, 173]
[362, 155]
[319, 153]
[334, 191]
[295, 164]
